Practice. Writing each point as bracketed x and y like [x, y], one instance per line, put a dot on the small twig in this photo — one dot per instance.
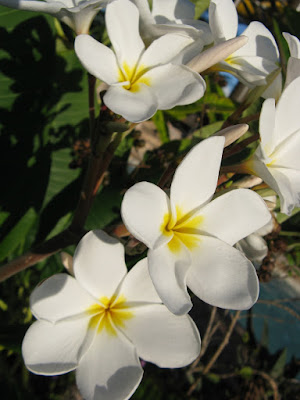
[281, 306]
[217, 353]
[249, 118]
[271, 382]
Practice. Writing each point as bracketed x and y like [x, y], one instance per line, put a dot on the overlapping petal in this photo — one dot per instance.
[51, 299]
[98, 59]
[133, 106]
[168, 271]
[261, 43]
[110, 369]
[164, 49]
[223, 20]
[222, 276]
[175, 85]
[173, 9]
[234, 215]
[98, 254]
[195, 179]
[294, 44]
[138, 287]
[287, 112]
[287, 154]
[267, 126]
[143, 210]
[288, 181]
[54, 349]
[124, 35]
[163, 338]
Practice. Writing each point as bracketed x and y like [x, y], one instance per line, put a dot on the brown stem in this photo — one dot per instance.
[240, 146]
[40, 252]
[231, 120]
[249, 118]
[91, 86]
[271, 382]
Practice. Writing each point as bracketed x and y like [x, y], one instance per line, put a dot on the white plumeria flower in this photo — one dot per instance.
[102, 321]
[293, 65]
[252, 63]
[77, 14]
[140, 80]
[171, 16]
[276, 159]
[190, 239]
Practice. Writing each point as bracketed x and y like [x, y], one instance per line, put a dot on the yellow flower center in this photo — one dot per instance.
[185, 229]
[133, 75]
[108, 315]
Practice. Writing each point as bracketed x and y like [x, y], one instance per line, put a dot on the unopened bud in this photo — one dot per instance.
[232, 133]
[217, 53]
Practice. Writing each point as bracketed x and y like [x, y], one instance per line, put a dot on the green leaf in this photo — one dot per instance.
[105, 209]
[278, 368]
[17, 236]
[208, 130]
[200, 7]
[161, 126]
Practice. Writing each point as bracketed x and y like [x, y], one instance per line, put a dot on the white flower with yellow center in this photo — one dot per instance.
[102, 321]
[140, 80]
[252, 63]
[190, 239]
[78, 14]
[171, 16]
[276, 159]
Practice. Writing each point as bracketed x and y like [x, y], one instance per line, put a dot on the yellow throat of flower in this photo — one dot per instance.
[133, 75]
[109, 315]
[184, 230]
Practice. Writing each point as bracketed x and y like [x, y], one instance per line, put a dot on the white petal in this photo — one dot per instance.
[275, 88]
[253, 69]
[164, 49]
[293, 70]
[143, 210]
[173, 9]
[287, 119]
[165, 339]
[254, 247]
[294, 44]
[137, 287]
[234, 215]
[223, 19]
[267, 126]
[122, 23]
[195, 179]
[133, 106]
[288, 181]
[99, 263]
[59, 297]
[261, 43]
[287, 153]
[97, 59]
[222, 276]
[54, 349]
[28, 5]
[110, 370]
[168, 272]
[260, 169]
[175, 85]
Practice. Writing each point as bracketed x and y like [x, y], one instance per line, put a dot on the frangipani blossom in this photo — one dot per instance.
[140, 80]
[102, 321]
[171, 16]
[276, 159]
[293, 65]
[78, 14]
[190, 239]
[252, 63]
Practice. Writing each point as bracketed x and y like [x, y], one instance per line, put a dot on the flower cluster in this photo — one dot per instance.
[102, 321]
